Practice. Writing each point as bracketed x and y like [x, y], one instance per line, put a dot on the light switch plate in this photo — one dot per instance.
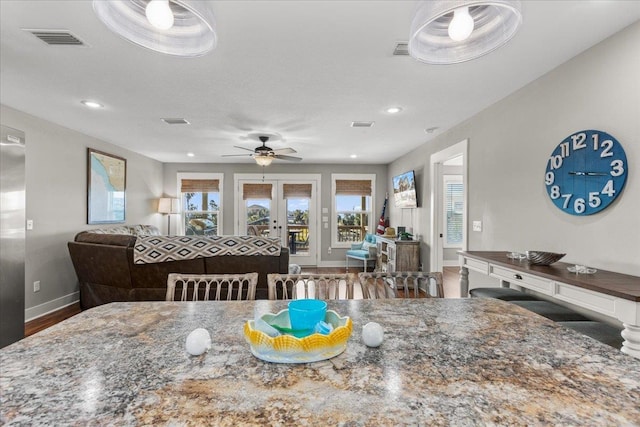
[477, 225]
[29, 224]
[325, 219]
[325, 210]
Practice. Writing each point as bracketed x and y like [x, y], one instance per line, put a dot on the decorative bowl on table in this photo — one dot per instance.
[581, 269]
[290, 349]
[543, 258]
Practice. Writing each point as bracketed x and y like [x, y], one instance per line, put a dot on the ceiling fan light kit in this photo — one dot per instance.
[264, 155]
[454, 31]
[173, 27]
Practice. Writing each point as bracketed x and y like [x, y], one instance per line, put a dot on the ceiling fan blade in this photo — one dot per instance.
[236, 155]
[290, 158]
[284, 151]
[242, 148]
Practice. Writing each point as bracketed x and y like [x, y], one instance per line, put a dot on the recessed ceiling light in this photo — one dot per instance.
[91, 104]
[353, 156]
[431, 130]
[190, 155]
[393, 110]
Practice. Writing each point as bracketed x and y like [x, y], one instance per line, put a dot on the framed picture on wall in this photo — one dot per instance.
[106, 184]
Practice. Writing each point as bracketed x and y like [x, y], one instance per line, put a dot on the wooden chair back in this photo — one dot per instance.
[213, 287]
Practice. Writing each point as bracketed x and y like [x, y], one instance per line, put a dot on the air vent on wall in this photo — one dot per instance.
[57, 37]
[362, 124]
[402, 49]
[175, 121]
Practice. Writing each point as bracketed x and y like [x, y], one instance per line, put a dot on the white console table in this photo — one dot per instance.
[612, 294]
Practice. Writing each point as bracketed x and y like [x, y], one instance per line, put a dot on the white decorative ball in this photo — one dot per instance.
[372, 334]
[198, 342]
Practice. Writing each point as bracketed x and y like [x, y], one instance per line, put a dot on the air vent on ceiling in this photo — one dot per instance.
[175, 121]
[402, 49]
[57, 37]
[362, 124]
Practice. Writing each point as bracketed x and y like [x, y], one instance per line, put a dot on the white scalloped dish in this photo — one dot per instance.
[289, 349]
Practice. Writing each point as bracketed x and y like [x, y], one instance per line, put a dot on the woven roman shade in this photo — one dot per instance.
[200, 186]
[353, 187]
[256, 191]
[296, 190]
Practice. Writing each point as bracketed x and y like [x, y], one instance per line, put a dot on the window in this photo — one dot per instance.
[352, 208]
[453, 207]
[200, 196]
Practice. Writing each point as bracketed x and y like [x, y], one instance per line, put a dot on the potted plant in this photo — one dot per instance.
[405, 235]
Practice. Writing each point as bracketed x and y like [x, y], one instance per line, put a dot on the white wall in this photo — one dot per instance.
[510, 142]
[56, 192]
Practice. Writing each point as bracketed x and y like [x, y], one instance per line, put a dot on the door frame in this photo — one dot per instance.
[315, 204]
[437, 159]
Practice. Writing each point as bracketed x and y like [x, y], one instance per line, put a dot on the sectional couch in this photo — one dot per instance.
[107, 270]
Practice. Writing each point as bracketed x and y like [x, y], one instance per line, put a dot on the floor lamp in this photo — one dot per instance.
[168, 206]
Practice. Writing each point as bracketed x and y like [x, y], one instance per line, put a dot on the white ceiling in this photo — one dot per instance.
[301, 69]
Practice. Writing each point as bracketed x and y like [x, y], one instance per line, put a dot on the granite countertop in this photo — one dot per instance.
[443, 362]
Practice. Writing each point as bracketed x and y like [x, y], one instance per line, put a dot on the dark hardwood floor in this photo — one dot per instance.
[450, 278]
[51, 319]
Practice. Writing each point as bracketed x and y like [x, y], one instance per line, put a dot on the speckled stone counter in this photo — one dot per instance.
[443, 362]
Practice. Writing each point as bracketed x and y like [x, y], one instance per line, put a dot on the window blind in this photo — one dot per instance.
[256, 191]
[200, 186]
[353, 187]
[454, 203]
[296, 190]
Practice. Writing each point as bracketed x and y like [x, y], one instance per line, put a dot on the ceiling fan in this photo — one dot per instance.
[264, 155]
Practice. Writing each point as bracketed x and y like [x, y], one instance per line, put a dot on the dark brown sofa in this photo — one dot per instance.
[106, 271]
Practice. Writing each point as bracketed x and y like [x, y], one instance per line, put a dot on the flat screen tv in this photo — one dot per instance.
[404, 190]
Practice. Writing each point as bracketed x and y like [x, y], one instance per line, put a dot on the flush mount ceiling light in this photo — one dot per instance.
[453, 31]
[173, 27]
[394, 110]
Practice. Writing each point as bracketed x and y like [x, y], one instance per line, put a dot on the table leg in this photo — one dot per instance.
[464, 282]
[631, 344]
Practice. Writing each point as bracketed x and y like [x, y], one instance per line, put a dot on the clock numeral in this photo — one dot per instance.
[579, 141]
[549, 178]
[608, 189]
[608, 145]
[594, 199]
[555, 192]
[555, 162]
[618, 167]
[566, 197]
[596, 141]
[564, 149]
[579, 205]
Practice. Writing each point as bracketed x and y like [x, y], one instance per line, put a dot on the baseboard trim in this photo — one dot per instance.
[332, 264]
[50, 306]
[451, 263]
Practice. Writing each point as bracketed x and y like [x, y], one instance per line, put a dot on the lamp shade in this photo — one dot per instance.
[495, 22]
[164, 205]
[168, 205]
[191, 34]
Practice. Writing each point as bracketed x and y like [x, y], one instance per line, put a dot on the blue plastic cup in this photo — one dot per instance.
[304, 314]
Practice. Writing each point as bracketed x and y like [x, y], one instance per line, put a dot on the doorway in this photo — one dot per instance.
[449, 191]
[281, 206]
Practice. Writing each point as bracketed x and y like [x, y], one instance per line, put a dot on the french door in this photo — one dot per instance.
[282, 207]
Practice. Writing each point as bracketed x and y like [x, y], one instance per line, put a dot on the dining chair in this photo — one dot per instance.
[401, 284]
[316, 286]
[214, 287]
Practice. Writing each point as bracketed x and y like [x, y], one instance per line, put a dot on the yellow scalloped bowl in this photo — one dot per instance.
[289, 349]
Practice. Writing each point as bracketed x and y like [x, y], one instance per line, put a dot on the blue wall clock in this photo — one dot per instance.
[586, 172]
